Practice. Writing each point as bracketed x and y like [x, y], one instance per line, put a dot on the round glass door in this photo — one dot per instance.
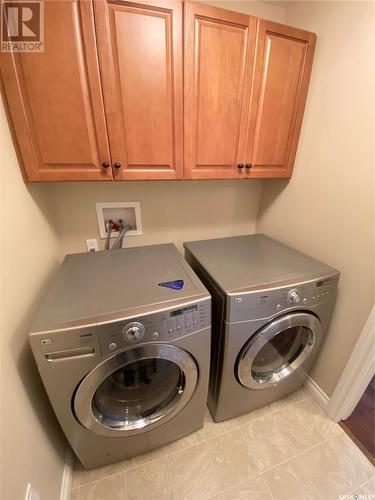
[136, 389]
[278, 349]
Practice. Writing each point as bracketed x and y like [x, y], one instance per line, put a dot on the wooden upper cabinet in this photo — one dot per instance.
[109, 97]
[281, 78]
[219, 51]
[140, 53]
[54, 99]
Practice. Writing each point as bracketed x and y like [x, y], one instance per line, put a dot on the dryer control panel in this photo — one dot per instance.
[162, 326]
[263, 304]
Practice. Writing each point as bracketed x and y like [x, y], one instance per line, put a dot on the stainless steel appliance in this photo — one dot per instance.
[122, 343]
[271, 311]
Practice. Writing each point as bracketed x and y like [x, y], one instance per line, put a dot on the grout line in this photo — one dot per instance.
[362, 485]
[79, 475]
[214, 472]
[125, 485]
[170, 476]
[101, 478]
[79, 479]
[110, 474]
[302, 452]
[132, 467]
[205, 439]
[256, 476]
[73, 489]
[261, 474]
[310, 481]
[267, 487]
[296, 455]
[186, 447]
[238, 426]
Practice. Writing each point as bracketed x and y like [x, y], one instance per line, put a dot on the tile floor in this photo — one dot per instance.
[289, 450]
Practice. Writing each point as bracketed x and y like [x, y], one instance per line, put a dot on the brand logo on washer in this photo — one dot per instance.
[173, 285]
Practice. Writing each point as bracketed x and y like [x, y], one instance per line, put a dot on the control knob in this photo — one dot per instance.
[133, 331]
[294, 296]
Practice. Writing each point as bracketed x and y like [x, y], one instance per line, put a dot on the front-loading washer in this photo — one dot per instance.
[271, 311]
[122, 344]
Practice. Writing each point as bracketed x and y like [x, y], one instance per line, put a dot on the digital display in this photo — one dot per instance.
[323, 282]
[184, 310]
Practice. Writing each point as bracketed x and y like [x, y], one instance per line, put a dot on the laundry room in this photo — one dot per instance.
[187, 250]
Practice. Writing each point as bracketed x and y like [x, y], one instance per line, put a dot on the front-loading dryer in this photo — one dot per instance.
[122, 343]
[271, 308]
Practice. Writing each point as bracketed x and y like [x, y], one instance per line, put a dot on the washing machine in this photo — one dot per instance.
[122, 344]
[271, 311]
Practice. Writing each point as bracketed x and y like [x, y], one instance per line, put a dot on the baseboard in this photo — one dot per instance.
[67, 477]
[317, 393]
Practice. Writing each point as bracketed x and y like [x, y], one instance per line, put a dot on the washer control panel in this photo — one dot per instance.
[294, 296]
[163, 326]
[186, 320]
[133, 331]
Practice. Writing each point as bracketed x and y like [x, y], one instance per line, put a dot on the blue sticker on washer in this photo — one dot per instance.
[173, 285]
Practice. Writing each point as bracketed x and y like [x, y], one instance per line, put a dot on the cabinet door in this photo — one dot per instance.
[140, 51]
[219, 52]
[54, 99]
[283, 66]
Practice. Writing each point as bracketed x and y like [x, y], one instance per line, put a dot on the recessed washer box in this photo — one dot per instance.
[127, 211]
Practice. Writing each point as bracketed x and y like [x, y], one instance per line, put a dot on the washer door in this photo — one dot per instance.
[277, 350]
[136, 390]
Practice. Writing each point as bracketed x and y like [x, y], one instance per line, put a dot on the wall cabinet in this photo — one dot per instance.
[140, 53]
[157, 90]
[219, 60]
[243, 107]
[54, 100]
[281, 77]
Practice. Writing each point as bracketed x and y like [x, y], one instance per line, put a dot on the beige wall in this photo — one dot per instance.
[30, 440]
[265, 10]
[326, 210]
[171, 211]
[56, 219]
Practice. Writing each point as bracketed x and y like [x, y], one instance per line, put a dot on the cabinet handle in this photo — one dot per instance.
[240, 165]
[117, 165]
[248, 165]
[105, 164]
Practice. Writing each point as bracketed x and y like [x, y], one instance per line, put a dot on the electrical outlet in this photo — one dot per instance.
[31, 494]
[92, 245]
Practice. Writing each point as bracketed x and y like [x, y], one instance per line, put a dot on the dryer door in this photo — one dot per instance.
[136, 390]
[278, 349]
